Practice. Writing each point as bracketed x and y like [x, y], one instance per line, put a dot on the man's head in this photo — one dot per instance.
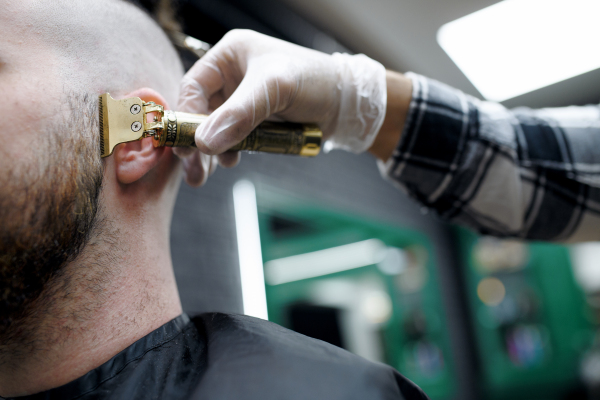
[56, 57]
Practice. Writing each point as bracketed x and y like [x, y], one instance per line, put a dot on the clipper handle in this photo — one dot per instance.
[269, 137]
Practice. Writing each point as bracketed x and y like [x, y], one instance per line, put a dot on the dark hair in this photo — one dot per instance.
[48, 214]
[164, 12]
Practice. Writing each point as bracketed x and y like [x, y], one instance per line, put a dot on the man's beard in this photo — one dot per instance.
[48, 212]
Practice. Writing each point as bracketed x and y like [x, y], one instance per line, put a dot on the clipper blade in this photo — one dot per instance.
[103, 126]
[121, 121]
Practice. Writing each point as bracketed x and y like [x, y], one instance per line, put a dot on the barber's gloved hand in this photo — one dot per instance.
[248, 77]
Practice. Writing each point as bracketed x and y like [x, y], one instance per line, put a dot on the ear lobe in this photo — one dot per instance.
[135, 159]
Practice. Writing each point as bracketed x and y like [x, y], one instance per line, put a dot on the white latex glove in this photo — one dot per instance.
[248, 77]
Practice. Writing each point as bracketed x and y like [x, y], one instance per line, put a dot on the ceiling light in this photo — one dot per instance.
[517, 46]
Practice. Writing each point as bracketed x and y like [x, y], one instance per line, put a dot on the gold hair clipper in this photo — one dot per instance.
[126, 120]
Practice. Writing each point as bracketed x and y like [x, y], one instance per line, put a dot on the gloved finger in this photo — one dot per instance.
[214, 163]
[197, 168]
[229, 159]
[215, 101]
[183, 152]
[198, 85]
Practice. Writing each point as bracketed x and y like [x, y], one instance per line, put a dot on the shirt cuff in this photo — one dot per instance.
[425, 164]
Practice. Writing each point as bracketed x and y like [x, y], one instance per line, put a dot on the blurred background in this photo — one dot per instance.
[326, 247]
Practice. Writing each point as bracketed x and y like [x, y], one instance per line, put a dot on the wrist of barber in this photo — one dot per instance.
[399, 96]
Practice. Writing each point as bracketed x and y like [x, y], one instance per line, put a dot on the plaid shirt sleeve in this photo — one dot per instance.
[532, 174]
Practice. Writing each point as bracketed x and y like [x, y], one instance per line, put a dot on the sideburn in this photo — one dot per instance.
[48, 212]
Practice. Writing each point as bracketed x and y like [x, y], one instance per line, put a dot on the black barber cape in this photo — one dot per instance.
[229, 357]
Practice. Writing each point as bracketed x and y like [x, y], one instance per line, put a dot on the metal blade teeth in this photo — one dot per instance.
[101, 115]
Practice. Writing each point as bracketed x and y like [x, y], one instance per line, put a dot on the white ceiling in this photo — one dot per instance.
[402, 35]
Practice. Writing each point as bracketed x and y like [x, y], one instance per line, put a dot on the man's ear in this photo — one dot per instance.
[135, 159]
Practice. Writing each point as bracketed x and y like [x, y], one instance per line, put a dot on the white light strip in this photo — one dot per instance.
[585, 259]
[324, 262]
[248, 240]
[517, 46]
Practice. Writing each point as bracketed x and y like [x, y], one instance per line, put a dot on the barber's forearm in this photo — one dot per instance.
[399, 95]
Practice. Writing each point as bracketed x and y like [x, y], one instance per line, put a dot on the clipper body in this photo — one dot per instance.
[127, 120]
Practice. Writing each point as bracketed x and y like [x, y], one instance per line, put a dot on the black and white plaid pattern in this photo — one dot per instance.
[523, 173]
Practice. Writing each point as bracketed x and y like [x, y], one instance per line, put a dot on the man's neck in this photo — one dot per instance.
[118, 290]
